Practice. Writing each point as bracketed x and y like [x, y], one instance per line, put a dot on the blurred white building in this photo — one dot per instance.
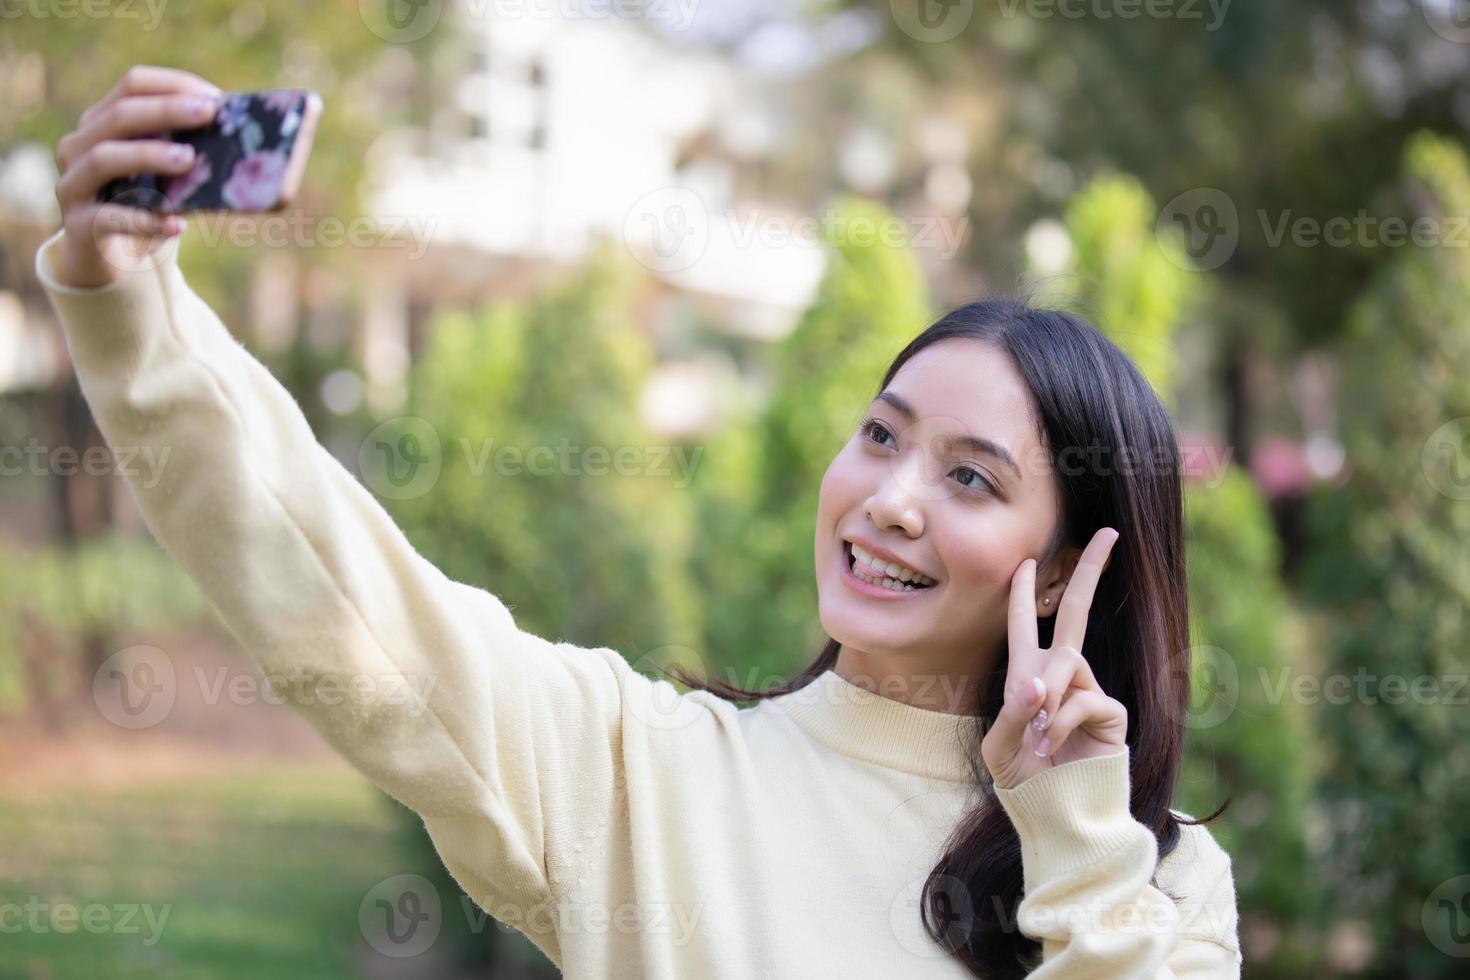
[551, 130]
[560, 130]
[31, 353]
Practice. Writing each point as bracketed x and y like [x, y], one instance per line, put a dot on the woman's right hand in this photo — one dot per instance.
[103, 241]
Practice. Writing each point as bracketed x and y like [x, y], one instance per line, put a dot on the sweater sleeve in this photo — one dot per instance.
[506, 744]
[1087, 866]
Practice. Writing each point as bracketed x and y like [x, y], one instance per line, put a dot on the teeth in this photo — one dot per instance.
[890, 575]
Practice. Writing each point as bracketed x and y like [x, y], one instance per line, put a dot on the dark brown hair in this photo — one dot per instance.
[1093, 406]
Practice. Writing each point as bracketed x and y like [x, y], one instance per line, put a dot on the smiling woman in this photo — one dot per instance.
[950, 529]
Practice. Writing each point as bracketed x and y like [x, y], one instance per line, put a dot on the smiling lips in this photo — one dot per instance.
[885, 574]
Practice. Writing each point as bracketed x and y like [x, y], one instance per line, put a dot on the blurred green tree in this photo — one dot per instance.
[1282, 111]
[52, 598]
[1389, 570]
[758, 499]
[1121, 279]
[552, 494]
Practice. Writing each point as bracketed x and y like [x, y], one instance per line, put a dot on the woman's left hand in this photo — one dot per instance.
[1074, 718]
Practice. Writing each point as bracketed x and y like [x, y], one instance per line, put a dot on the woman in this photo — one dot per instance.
[845, 825]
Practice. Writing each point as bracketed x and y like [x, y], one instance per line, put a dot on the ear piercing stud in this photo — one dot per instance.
[1046, 601]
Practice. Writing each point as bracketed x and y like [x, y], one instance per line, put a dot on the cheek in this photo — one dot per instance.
[983, 555]
[841, 486]
[830, 508]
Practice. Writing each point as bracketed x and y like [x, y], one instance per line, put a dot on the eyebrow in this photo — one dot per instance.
[977, 443]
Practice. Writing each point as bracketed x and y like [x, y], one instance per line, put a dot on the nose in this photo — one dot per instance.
[895, 504]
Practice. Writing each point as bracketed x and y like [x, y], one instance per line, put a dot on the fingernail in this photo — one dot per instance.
[1034, 691]
[201, 106]
[1039, 722]
[180, 152]
[1043, 746]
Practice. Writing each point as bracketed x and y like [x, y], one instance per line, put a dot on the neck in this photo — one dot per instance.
[923, 684]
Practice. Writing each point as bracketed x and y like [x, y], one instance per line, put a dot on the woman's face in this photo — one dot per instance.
[964, 515]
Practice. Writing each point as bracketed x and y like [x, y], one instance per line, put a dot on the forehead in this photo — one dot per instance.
[966, 387]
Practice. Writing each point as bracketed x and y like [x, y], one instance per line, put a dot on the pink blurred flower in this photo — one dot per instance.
[185, 184]
[256, 181]
[233, 112]
[1203, 458]
[282, 100]
[1280, 468]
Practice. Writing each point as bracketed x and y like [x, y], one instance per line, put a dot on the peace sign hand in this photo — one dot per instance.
[1051, 696]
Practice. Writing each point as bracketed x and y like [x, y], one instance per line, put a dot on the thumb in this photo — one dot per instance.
[1015, 714]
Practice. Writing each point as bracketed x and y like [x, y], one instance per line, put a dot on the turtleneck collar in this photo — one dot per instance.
[881, 730]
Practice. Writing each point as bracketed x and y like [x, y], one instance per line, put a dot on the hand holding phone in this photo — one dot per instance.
[118, 137]
[249, 156]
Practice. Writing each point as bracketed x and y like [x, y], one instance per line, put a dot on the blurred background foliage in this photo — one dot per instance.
[1390, 574]
[1137, 288]
[1344, 816]
[757, 498]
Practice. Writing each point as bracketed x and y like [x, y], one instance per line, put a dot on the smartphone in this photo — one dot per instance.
[249, 157]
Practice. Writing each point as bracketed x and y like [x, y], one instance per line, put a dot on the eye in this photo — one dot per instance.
[871, 425]
[978, 483]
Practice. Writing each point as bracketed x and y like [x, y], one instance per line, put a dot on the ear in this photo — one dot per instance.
[1051, 582]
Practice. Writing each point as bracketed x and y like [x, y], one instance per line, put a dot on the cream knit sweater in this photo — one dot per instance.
[628, 830]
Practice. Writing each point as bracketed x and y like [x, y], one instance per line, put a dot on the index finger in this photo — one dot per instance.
[1077, 600]
[155, 80]
[1021, 628]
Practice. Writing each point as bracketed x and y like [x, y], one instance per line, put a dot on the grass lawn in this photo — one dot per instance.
[259, 872]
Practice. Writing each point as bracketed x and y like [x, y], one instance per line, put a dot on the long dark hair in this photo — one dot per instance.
[1115, 454]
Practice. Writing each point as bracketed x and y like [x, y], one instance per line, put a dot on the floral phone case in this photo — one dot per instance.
[250, 157]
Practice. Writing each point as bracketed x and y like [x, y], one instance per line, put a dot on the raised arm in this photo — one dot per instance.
[507, 744]
[1087, 865]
